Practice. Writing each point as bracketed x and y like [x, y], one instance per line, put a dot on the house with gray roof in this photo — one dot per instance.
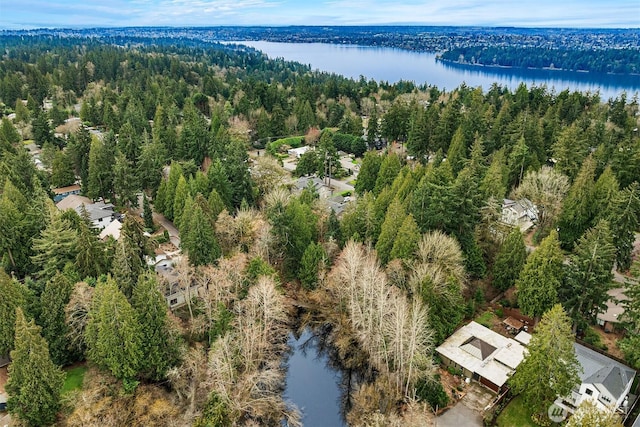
[519, 213]
[603, 380]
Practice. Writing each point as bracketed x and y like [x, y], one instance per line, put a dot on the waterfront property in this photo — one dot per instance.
[482, 354]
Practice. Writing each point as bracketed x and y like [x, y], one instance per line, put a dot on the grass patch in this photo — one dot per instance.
[74, 379]
[486, 319]
[516, 414]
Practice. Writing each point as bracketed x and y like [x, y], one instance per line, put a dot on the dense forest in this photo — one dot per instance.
[594, 50]
[196, 132]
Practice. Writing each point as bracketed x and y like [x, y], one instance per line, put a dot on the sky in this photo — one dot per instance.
[15, 14]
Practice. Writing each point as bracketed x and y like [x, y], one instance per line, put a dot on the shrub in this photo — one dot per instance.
[432, 392]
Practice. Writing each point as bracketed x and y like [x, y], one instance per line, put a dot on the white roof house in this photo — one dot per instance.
[604, 380]
[482, 354]
[298, 152]
[112, 230]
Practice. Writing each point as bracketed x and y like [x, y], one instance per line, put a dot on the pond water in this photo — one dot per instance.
[313, 384]
[392, 65]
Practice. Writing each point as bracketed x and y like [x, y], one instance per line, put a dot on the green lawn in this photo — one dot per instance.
[515, 415]
[486, 319]
[74, 379]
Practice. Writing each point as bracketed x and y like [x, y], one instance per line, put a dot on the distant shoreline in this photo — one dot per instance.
[511, 67]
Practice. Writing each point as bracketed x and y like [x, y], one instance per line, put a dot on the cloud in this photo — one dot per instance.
[580, 13]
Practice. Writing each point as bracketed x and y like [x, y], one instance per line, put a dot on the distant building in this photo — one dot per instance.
[519, 213]
[603, 380]
[298, 152]
[62, 192]
[101, 214]
[111, 230]
[611, 317]
[482, 354]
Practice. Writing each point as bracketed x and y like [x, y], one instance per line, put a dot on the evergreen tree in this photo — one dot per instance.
[101, 161]
[389, 169]
[541, 278]
[509, 261]
[62, 173]
[35, 382]
[53, 301]
[494, 182]
[56, 246]
[199, 241]
[113, 335]
[588, 275]
[368, 174]
[147, 213]
[310, 264]
[623, 214]
[550, 367]
[373, 128]
[124, 181]
[42, 132]
[457, 153]
[577, 212]
[392, 222]
[406, 242]
[13, 296]
[150, 163]
[179, 198]
[630, 319]
[78, 149]
[158, 348]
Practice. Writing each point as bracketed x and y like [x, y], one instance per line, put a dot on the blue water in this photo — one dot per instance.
[392, 65]
[312, 385]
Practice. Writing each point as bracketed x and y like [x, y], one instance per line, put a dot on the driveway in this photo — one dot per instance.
[468, 411]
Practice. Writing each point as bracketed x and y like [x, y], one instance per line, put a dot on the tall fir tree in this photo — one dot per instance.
[310, 264]
[406, 242]
[392, 223]
[199, 240]
[56, 246]
[509, 261]
[541, 278]
[35, 382]
[577, 211]
[588, 275]
[113, 334]
[159, 348]
[53, 301]
[13, 296]
[550, 368]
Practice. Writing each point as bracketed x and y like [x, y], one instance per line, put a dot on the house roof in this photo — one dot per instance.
[603, 372]
[480, 350]
[97, 210]
[63, 190]
[113, 230]
[523, 338]
[614, 306]
[72, 202]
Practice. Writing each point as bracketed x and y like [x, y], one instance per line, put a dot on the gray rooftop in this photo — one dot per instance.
[599, 369]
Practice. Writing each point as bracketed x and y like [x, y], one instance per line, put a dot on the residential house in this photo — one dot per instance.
[111, 230]
[519, 213]
[101, 214]
[604, 380]
[175, 295]
[298, 152]
[611, 316]
[318, 184]
[62, 192]
[482, 354]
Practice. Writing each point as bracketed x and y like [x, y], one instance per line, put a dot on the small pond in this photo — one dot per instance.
[313, 382]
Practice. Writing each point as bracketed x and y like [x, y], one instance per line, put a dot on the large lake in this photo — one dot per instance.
[392, 65]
